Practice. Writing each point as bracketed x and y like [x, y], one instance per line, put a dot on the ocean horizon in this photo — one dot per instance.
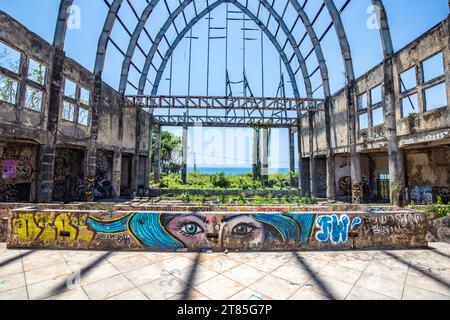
[233, 170]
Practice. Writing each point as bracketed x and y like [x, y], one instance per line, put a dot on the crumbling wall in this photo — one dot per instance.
[194, 231]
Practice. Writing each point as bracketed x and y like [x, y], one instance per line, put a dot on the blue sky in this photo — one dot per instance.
[408, 19]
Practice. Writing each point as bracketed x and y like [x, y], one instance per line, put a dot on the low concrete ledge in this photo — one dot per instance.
[193, 231]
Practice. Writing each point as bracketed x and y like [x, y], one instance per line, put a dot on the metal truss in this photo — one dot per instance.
[225, 121]
[113, 17]
[224, 103]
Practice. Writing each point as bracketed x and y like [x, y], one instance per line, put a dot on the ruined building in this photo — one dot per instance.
[65, 135]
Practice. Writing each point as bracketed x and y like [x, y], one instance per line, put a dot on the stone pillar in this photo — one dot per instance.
[265, 155]
[301, 168]
[395, 155]
[312, 160]
[148, 163]
[185, 155]
[135, 157]
[291, 154]
[157, 160]
[47, 152]
[90, 159]
[355, 158]
[256, 159]
[331, 188]
[117, 171]
[89, 172]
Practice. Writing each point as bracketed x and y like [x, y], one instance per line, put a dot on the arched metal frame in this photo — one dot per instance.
[385, 35]
[104, 37]
[264, 29]
[61, 24]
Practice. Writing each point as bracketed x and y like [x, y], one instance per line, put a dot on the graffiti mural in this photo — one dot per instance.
[18, 186]
[68, 182]
[334, 228]
[344, 186]
[232, 231]
[104, 186]
[422, 195]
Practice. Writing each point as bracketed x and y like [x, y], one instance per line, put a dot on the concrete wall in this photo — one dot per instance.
[187, 231]
[116, 126]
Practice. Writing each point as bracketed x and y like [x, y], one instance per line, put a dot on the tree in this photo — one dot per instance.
[170, 152]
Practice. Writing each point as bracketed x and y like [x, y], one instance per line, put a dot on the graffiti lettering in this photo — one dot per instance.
[335, 228]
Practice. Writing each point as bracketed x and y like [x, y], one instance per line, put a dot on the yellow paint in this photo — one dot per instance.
[24, 227]
[48, 226]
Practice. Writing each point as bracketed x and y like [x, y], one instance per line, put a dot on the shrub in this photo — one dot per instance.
[219, 180]
[186, 197]
[441, 209]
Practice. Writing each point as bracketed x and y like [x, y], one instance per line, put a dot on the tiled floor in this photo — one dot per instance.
[77, 275]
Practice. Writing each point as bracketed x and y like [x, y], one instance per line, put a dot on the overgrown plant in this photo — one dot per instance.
[441, 209]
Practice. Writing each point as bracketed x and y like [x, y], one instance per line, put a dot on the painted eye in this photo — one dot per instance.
[191, 228]
[243, 229]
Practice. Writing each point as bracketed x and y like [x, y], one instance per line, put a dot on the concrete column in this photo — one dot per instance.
[256, 159]
[89, 172]
[301, 167]
[157, 160]
[355, 158]
[90, 160]
[312, 160]
[185, 154]
[291, 153]
[265, 154]
[395, 155]
[117, 171]
[47, 152]
[148, 162]
[331, 187]
[135, 157]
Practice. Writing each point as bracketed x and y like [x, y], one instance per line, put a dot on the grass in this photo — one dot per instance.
[220, 181]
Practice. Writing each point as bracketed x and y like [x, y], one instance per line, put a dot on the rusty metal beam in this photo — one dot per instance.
[224, 103]
[225, 121]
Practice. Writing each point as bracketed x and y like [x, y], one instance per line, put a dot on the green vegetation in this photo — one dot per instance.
[242, 199]
[221, 181]
[441, 209]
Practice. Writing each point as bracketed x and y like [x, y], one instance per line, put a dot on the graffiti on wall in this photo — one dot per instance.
[386, 225]
[17, 187]
[180, 231]
[335, 228]
[104, 186]
[422, 195]
[68, 175]
[344, 186]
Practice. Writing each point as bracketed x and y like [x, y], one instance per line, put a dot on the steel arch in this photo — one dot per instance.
[385, 31]
[343, 41]
[251, 16]
[61, 24]
[317, 46]
[133, 43]
[106, 32]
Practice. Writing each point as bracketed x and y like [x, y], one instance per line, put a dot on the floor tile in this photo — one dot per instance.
[275, 288]
[219, 287]
[15, 294]
[145, 274]
[107, 288]
[391, 287]
[244, 274]
[133, 294]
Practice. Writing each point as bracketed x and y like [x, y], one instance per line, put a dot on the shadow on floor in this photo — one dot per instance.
[4, 263]
[315, 278]
[63, 286]
[191, 279]
[426, 274]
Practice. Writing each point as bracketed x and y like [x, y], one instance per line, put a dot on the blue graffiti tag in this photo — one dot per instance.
[335, 227]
